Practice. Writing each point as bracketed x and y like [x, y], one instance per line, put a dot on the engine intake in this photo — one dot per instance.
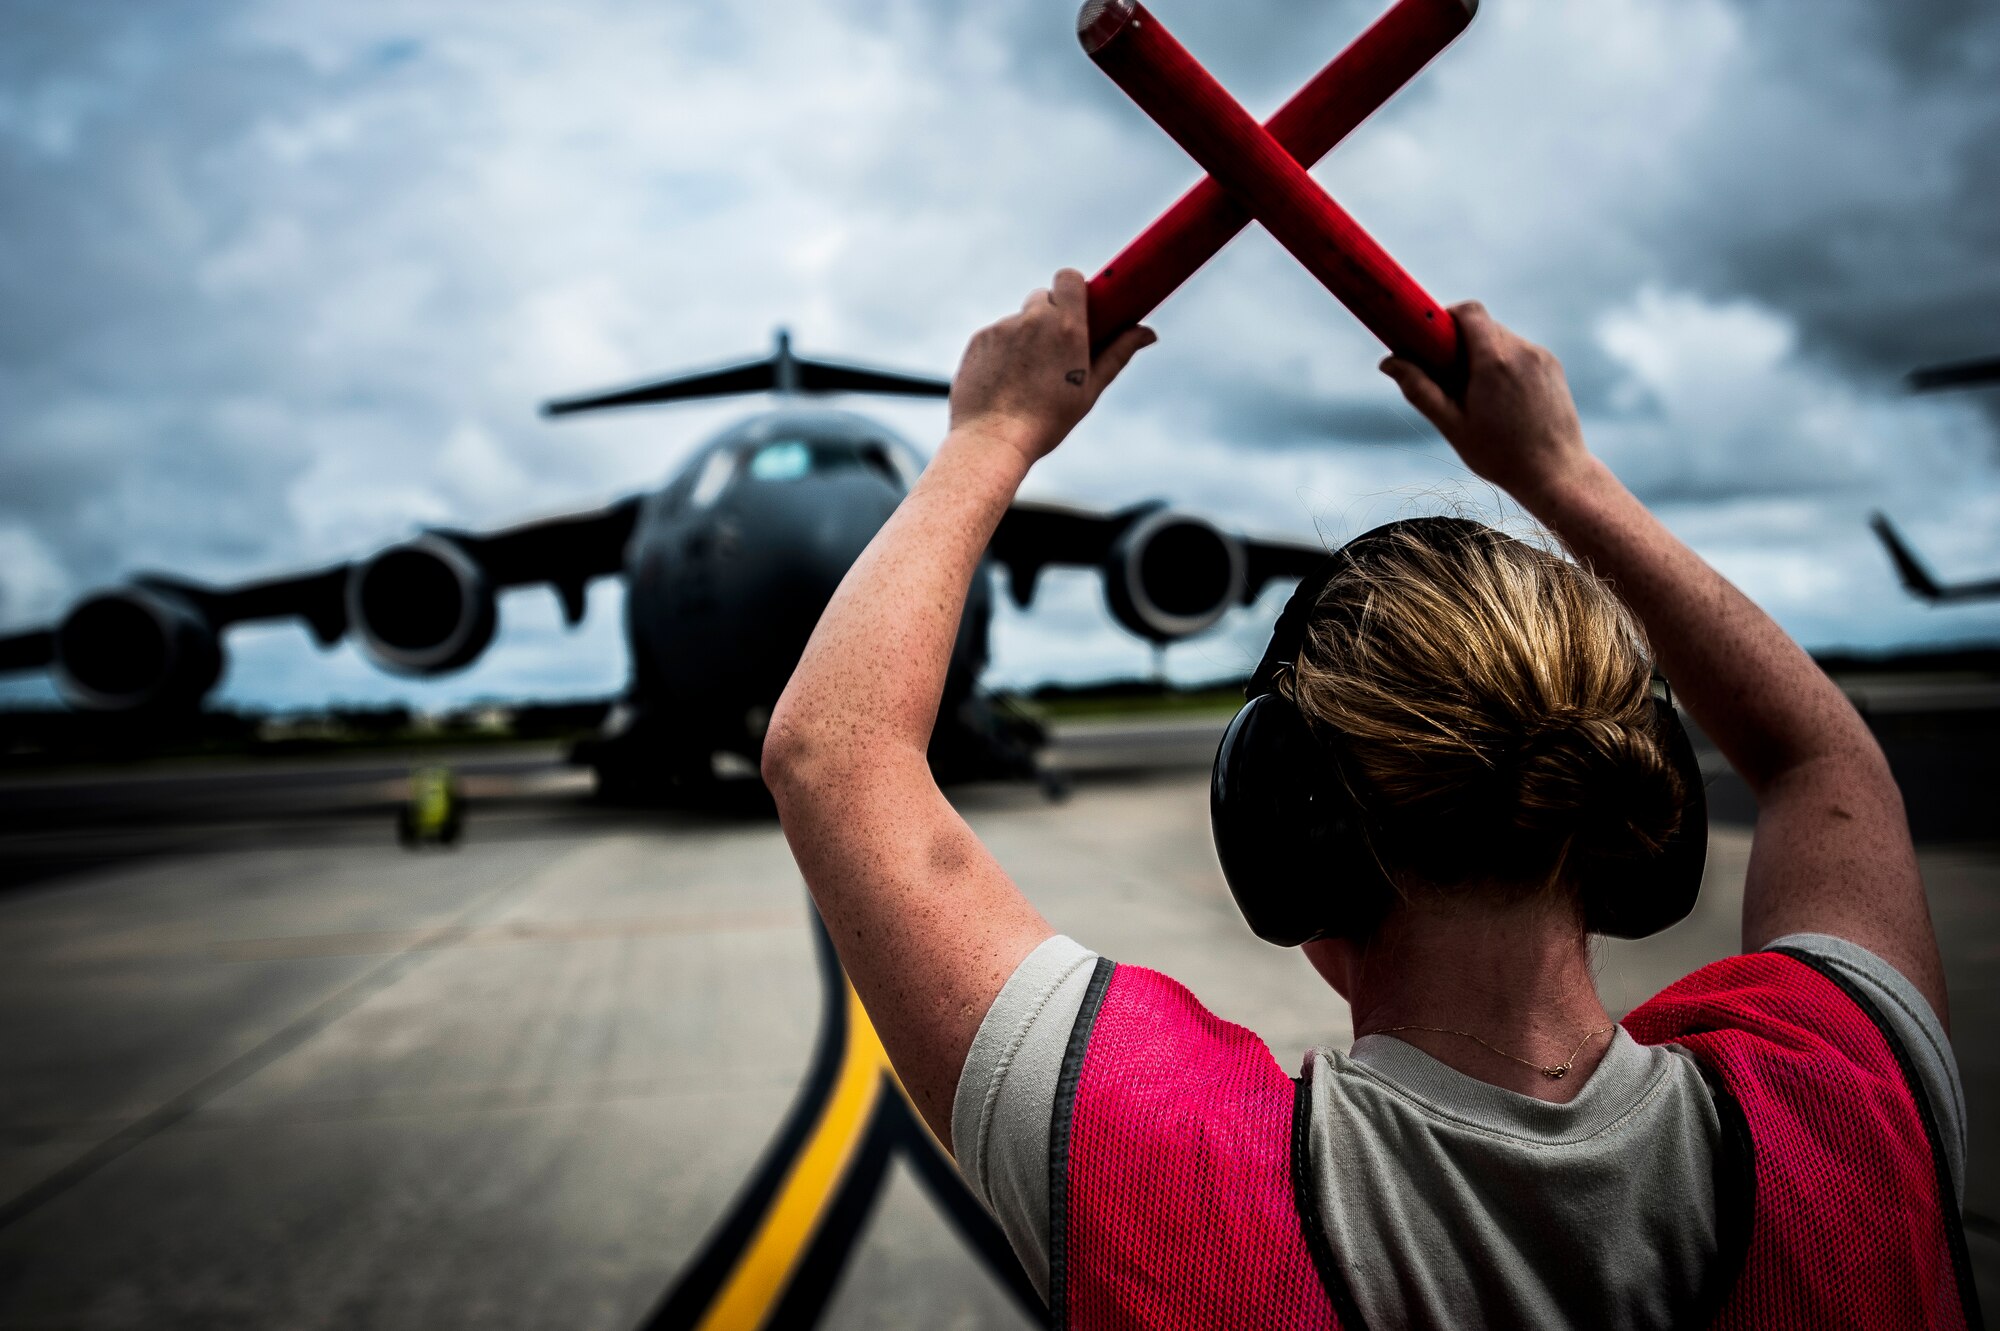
[423, 608]
[136, 649]
[1169, 576]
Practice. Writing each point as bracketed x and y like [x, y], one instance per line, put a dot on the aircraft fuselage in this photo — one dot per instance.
[732, 562]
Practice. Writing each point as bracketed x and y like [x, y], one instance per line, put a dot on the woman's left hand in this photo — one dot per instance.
[1028, 379]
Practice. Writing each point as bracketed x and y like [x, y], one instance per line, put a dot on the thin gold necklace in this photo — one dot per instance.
[1554, 1072]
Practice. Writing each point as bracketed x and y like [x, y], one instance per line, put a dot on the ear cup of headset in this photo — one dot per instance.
[1658, 892]
[1291, 838]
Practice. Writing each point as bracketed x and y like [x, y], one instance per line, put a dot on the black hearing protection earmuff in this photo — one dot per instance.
[1296, 836]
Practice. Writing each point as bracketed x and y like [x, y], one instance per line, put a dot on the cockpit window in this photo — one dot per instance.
[790, 459]
[716, 470]
[785, 461]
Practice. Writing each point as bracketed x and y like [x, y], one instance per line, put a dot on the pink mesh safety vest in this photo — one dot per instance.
[1180, 1197]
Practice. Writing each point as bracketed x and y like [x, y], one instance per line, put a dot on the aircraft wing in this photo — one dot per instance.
[1917, 578]
[421, 607]
[565, 552]
[156, 640]
[1271, 560]
[316, 598]
[313, 597]
[1166, 574]
[27, 651]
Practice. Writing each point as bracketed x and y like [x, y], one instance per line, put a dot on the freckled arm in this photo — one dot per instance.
[927, 923]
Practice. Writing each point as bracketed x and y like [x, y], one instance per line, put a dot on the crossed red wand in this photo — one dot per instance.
[1259, 171]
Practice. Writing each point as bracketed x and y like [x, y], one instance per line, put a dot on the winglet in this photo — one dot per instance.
[1915, 576]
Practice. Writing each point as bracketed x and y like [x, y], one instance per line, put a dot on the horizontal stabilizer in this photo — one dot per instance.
[825, 376]
[780, 372]
[1963, 374]
[726, 382]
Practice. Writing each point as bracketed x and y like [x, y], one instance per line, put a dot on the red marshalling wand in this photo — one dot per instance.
[1253, 173]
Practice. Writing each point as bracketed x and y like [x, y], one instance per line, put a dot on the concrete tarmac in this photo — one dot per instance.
[263, 1068]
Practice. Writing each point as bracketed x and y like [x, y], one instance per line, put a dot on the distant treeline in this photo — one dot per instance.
[42, 736]
[1960, 660]
[1130, 697]
[1114, 690]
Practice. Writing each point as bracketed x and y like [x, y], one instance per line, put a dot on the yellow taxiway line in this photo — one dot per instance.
[761, 1275]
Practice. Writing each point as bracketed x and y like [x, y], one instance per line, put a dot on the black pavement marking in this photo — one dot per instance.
[893, 1128]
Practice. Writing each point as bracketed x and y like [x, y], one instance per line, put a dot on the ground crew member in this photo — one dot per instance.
[1455, 766]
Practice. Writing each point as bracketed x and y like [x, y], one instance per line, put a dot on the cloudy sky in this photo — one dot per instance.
[281, 282]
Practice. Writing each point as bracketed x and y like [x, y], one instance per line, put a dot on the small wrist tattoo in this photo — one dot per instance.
[1076, 377]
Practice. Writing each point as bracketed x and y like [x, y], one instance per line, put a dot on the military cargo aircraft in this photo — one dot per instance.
[1916, 577]
[727, 567]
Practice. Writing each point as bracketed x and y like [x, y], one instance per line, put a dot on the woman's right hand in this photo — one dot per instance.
[1516, 425]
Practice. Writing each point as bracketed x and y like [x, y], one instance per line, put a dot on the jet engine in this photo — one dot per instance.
[134, 649]
[1169, 575]
[422, 608]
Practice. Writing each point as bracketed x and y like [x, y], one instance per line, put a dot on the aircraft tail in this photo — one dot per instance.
[1915, 576]
[780, 372]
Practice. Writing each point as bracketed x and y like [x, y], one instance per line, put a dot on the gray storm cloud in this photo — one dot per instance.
[282, 281]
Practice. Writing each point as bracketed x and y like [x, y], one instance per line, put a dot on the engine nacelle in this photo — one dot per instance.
[423, 608]
[1170, 575]
[136, 649]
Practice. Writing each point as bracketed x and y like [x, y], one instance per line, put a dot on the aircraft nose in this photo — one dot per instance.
[828, 520]
[730, 601]
[800, 540]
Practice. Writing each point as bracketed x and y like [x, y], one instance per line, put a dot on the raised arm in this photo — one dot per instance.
[1832, 852]
[927, 924]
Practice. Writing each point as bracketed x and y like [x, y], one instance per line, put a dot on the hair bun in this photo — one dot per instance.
[1603, 781]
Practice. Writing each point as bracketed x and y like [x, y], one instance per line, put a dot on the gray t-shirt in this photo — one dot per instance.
[1450, 1202]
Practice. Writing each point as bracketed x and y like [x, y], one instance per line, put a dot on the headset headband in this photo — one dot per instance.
[1288, 635]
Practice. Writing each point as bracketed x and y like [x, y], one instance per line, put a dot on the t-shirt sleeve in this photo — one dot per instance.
[1007, 1093]
[1911, 1023]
